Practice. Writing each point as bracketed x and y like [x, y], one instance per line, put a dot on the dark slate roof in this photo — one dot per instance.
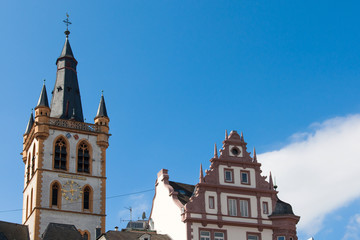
[185, 191]
[57, 231]
[30, 124]
[102, 108]
[282, 208]
[66, 93]
[133, 235]
[13, 231]
[66, 51]
[43, 99]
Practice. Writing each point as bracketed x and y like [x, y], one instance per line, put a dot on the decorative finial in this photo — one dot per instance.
[271, 187]
[255, 158]
[275, 186]
[67, 23]
[242, 136]
[201, 177]
[32, 110]
[215, 152]
[44, 81]
[226, 134]
[102, 92]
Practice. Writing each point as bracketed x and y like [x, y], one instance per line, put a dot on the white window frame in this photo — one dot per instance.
[244, 208]
[204, 236]
[232, 207]
[222, 237]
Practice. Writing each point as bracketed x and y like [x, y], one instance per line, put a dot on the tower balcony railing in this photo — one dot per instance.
[74, 125]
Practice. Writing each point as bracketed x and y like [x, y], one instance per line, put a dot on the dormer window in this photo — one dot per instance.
[229, 175]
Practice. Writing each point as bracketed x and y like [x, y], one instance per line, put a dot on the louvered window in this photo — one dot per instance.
[55, 191]
[86, 198]
[60, 154]
[83, 158]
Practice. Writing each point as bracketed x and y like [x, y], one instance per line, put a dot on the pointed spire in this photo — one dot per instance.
[242, 137]
[271, 184]
[102, 108]
[255, 158]
[201, 178]
[66, 93]
[67, 51]
[43, 99]
[215, 151]
[226, 135]
[30, 123]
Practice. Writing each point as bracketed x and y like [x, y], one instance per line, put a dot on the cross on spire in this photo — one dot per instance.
[67, 23]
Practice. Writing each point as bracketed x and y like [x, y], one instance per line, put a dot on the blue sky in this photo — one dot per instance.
[176, 74]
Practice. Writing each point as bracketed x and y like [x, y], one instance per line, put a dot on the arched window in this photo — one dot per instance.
[87, 197]
[85, 236]
[31, 200]
[55, 195]
[28, 169]
[27, 205]
[83, 158]
[60, 154]
[33, 162]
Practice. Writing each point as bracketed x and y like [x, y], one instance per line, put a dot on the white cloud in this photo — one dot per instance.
[318, 171]
[353, 229]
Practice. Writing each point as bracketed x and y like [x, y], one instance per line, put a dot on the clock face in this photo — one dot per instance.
[71, 191]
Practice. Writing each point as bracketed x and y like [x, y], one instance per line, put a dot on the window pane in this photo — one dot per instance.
[244, 208]
[204, 235]
[211, 203]
[232, 207]
[253, 237]
[219, 236]
[228, 176]
[54, 195]
[244, 177]
[281, 238]
[265, 208]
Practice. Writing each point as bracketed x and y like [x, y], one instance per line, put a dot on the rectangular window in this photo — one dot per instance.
[219, 236]
[245, 177]
[252, 237]
[211, 202]
[204, 235]
[265, 208]
[229, 175]
[211, 234]
[244, 208]
[232, 207]
[281, 238]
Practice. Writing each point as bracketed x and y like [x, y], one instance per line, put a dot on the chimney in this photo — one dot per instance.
[116, 228]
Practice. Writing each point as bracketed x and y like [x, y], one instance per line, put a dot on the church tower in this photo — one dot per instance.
[65, 158]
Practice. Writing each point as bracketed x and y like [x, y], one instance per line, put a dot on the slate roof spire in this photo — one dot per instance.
[102, 107]
[66, 93]
[30, 123]
[43, 99]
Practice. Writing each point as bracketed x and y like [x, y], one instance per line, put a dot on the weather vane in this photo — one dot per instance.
[67, 22]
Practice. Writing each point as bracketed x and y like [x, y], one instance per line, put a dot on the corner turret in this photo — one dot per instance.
[102, 120]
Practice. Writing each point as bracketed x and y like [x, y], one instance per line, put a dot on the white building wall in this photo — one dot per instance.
[166, 215]
[237, 178]
[232, 232]
[224, 204]
[81, 221]
[49, 145]
[207, 209]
